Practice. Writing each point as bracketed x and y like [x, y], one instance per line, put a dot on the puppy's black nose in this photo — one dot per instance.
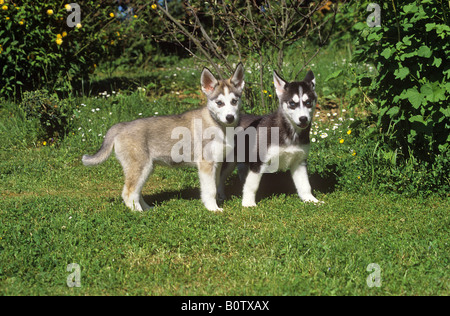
[230, 118]
[303, 119]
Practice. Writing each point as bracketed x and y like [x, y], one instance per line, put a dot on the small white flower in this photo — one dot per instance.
[313, 140]
[79, 128]
[93, 110]
[156, 113]
[97, 109]
[324, 135]
[139, 114]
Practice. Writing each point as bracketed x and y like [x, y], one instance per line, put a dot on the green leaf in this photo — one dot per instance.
[417, 118]
[424, 51]
[414, 97]
[407, 40]
[430, 26]
[393, 111]
[437, 61]
[387, 52]
[333, 75]
[401, 73]
[433, 91]
[410, 8]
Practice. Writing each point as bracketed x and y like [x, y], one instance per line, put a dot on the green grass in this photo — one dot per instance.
[54, 211]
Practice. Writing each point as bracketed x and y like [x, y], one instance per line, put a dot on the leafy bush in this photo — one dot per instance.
[410, 51]
[38, 49]
[359, 159]
[52, 113]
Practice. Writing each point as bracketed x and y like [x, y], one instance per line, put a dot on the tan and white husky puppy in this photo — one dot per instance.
[142, 143]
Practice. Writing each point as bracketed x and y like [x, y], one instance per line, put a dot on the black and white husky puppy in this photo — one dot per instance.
[279, 141]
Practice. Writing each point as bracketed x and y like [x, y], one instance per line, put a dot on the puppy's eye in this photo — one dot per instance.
[292, 104]
[308, 103]
[234, 101]
[220, 103]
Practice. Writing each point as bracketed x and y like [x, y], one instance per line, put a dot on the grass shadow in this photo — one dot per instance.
[271, 184]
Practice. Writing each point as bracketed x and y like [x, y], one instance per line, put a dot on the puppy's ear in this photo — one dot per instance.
[208, 81]
[310, 78]
[238, 77]
[280, 84]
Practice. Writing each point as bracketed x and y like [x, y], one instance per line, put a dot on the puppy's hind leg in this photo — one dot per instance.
[135, 178]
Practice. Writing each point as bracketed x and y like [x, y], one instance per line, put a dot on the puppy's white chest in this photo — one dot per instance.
[281, 158]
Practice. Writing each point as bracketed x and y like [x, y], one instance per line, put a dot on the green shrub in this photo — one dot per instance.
[39, 50]
[52, 113]
[410, 51]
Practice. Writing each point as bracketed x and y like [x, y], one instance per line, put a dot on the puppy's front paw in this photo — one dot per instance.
[311, 199]
[213, 207]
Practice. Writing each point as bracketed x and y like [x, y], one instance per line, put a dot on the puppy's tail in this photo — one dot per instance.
[105, 150]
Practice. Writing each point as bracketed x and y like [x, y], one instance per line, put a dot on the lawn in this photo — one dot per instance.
[58, 212]
[54, 212]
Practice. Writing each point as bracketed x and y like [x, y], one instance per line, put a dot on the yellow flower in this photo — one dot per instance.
[265, 91]
[135, 16]
[68, 7]
[7, 18]
[349, 132]
[58, 36]
[111, 14]
[59, 41]
[354, 153]
[154, 6]
[78, 25]
[49, 11]
[1, 1]
[64, 34]
[341, 141]
[21, 22]
[270, 95]
[44, 143]
[5, 7]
